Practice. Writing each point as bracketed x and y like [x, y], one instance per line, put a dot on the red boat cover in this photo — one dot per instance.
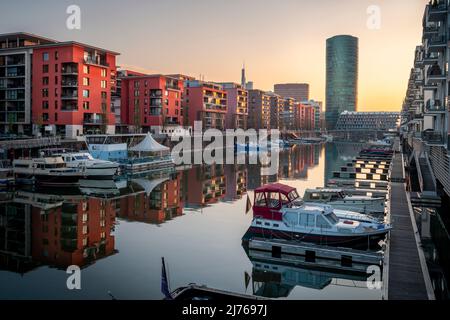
[276, 187]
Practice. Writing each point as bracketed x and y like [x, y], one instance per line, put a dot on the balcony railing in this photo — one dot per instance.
[68, 83]
[433, 137]
[97, 61]
[69, 71]
[69, 96]
[434, 106]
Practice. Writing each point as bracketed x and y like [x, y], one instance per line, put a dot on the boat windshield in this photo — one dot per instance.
[82, 157]
[332, 218]
[293, 195]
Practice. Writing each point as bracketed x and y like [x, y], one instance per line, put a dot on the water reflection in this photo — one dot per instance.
[199, 217]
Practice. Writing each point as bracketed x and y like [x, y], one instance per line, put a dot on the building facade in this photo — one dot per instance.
[206, 102]
[341, 77]
[276, 110]
[258, 110]
[151, 103]
[237, 106]
[425, 113]
[63, 88]
[297, 91]
[379, 121]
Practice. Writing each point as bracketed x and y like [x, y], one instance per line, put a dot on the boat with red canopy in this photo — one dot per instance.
[279, 213]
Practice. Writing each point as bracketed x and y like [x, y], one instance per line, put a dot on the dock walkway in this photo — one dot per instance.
[407, 271]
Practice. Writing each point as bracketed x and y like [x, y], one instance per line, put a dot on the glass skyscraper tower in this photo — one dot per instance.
[342, 77]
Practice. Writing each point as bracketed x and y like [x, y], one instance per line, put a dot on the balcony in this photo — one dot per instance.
[69, 69]
[98, 61]
[69, 83]
[69, 95]
[437, 44]
[437, 12]
[93, 119]
[432, 137]
[434, 106]
[431, 59]
[430, 31]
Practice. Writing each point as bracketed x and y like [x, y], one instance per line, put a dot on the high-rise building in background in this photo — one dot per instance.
[341, 77]
[298, 91]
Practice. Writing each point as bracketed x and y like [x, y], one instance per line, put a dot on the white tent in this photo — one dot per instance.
[149, 145]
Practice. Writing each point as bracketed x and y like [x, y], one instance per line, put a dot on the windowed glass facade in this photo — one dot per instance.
[342, 77]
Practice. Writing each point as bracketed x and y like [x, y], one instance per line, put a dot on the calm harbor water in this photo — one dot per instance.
[194, 218]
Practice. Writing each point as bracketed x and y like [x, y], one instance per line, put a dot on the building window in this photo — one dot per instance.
[44, 93]
[56, 67]
[45, 68]
[56, 55]
[56, 79]
[136, 93]
[85, 81]
[86, 105]
[45, 56]
[104, 95]
[103, 72]
[86, 93]
[86, 69]
[45, 81]
[136, 84]
[44, 104]
[56, 104]
[103, 84]
[45, 116]
[103, 107]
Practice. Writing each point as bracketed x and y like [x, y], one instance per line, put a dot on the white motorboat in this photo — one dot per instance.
[46, 171]
[90, 167]
[277, 214]
[339, 199]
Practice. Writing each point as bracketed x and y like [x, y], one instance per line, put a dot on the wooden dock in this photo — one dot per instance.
[406, 270]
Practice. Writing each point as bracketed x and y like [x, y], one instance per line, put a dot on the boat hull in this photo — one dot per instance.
[358, 241]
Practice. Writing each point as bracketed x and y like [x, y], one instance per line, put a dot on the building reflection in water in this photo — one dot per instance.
[75, 232]
[75, 226]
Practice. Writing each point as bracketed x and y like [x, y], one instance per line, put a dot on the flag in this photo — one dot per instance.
[164, 283]
[249, 205]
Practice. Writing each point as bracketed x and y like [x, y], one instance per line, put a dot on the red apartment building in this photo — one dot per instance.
[72, 84]
[76, 233]
[304, 117]
[205, 102]
[151, 102]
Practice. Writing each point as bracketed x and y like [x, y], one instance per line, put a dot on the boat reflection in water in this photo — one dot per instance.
[276, 280]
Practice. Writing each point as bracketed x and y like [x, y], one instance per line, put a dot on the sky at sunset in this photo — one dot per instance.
[280, 40]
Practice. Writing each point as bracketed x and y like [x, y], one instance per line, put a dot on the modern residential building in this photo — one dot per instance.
[380, 121]
[206, 102]
[276, 109]
[55, 88]
[304, 117]
[341, 77]
[287, 116]
[298, 91]
[317, 106]
[16, 55]
[237, 104]
[151, 103]
[425, 114]
[72, 85]
[258, 109]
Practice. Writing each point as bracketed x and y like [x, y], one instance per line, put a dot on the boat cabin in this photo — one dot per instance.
[269, 200]
[323, 195]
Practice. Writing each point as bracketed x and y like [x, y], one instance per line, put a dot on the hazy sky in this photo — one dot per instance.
[280, 40]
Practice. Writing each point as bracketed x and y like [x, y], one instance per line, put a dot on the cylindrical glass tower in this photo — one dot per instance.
[342, 77]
